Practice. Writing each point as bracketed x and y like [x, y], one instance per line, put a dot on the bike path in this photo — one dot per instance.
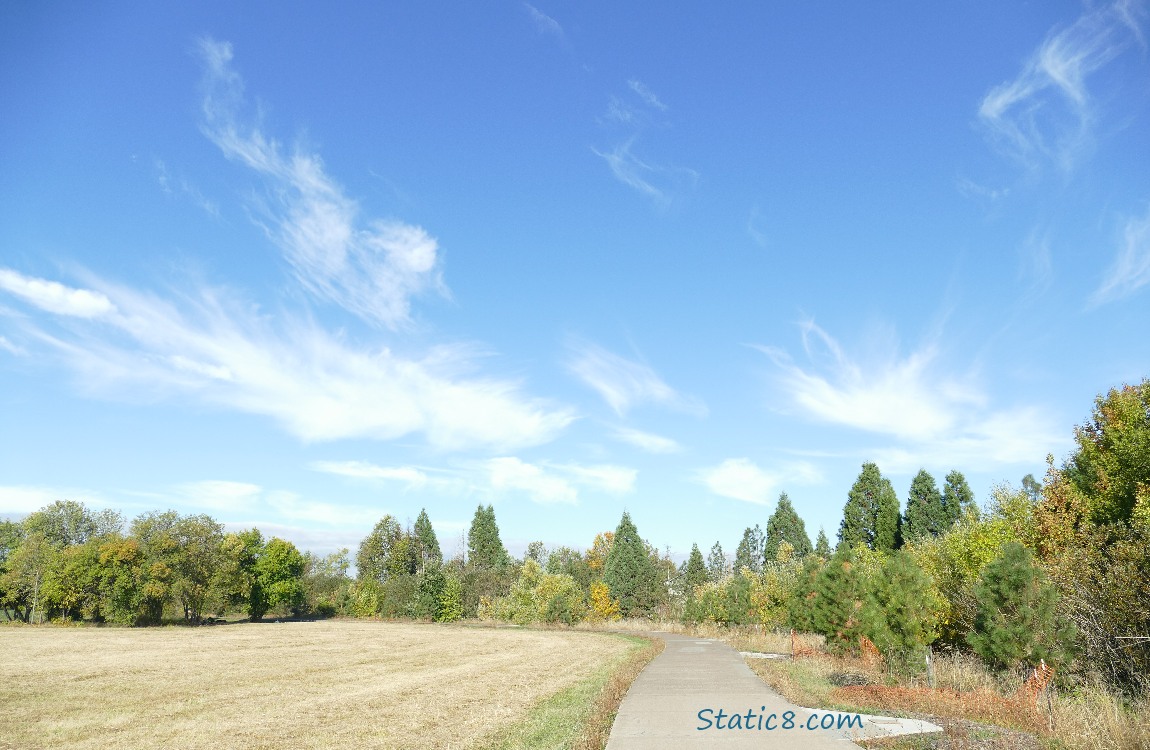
[675, 703]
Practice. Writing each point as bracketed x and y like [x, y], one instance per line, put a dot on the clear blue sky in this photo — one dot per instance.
[299, 267]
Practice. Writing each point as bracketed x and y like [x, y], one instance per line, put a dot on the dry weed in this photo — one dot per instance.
[309, 685]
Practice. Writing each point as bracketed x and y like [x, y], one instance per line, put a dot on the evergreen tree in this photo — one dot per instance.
[957, 498]
[1015, 623]
[484, 548]
[925, 514]
[784, 525]
[871, 515]
[695, 572]
[716, 563]
[630, 573]
[801, 608]
[749, 553]
[427, 544]
[823, 545]
[909, 612]
[843, 611]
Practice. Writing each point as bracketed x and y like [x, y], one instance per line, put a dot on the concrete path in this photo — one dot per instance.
[699, 693]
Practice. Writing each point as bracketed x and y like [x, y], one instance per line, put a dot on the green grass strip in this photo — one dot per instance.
[561, 721]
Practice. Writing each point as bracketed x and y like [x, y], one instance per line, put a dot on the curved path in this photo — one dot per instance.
[676, 703]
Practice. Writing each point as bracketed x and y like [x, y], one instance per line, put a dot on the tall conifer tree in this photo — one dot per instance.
[749, 553]
[925, 514]
[630, 573]
[871, 515]
[784, 525]
[484, 548]
[823, 545]
[957, 497]
[717, 563]
[427, 545]
[695, 571]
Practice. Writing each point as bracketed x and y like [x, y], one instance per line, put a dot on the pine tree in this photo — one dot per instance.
[823, 545]
[842, 611]
[909, 612]
[801, 608]
[484, 548]
[695, 572]
[784, 525]
[925, 514]
[871, 515]
[957, 498]
[630, 573]
[427, 544]
[717, 563]
[749, 553]
[1015, 623]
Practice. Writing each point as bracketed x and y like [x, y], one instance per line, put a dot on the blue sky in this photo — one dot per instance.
[298, 267]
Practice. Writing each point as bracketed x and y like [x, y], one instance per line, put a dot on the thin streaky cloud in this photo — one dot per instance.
[541, 482]
[54, 297]
[621, 382]
[742, 479]
[914, 400]
[1046, 112]
[647, 441]
[646, 94]
[370, 267]
[11, 348]
[1130, 270]
[313, 383]
[544, 23]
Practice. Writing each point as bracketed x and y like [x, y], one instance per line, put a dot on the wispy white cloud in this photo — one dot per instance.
[742, 479]
[316, 385]
[1046, 112]
[540, 482]
[510, 473]
[646, 94]
[1037, 267]
[11, 348]
[173, 186]
[662, 182]
[624, 383]
[217, 495]
[647, 441]
[19, 500]
[1130, 270]
[54, 297]
[929, 411]
[609, 478]
[544, 24]
[373, 267]
[408, 475]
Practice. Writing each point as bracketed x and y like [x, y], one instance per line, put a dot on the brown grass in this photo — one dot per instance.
[311, 685]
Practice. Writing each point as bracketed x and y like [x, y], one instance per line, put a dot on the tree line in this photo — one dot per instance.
[1057, 570]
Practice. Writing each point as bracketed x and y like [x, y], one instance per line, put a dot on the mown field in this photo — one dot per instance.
[279, 685]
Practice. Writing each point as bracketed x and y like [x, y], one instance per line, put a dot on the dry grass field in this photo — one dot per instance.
[290, 685]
